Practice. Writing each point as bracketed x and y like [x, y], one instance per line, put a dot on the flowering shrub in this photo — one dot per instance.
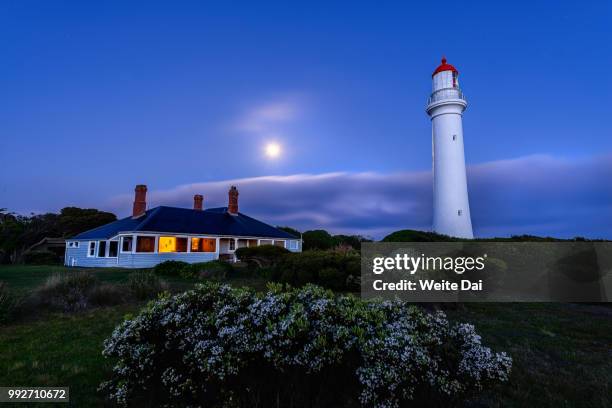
[221, 346]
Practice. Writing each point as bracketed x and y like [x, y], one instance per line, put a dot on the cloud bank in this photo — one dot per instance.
[538, 194]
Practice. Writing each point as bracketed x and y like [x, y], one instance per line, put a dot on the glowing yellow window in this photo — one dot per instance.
[172, 244]
[167, 244]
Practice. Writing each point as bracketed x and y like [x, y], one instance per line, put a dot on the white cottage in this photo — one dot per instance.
[149, 237]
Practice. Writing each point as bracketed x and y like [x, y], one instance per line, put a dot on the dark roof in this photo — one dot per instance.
[213, 221]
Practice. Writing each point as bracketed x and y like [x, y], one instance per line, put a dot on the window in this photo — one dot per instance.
[293, 245]
[459, 212]
[232, 244]
[145, 244]
[279, 243]
[126, 244]
[71, 245]
[92, 249]
[265, 242]
[454, 137]
[203, 245]
[113, 247]
[76, 244]
[172, 244]
[101, 249]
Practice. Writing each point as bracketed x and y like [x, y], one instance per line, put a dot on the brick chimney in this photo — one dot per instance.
[140, 201]
[232, 206]
[198, 199]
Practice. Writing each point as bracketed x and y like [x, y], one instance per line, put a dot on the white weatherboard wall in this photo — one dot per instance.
[451, 207]
[78, 256]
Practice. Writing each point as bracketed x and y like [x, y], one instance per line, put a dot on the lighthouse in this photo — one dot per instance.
[445, 106]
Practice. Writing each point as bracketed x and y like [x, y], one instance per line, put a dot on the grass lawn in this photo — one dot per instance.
[61, 350]
[25, 278]
[562, 352]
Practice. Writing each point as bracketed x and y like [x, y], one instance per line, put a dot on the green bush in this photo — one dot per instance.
[41, 258]
[332, 278]
[218, 346]
[145, 285]
[170, 268]
[69, 292]
[208, 270]
[326, 268]
[74, 292]
[8, 304]
[261, 256]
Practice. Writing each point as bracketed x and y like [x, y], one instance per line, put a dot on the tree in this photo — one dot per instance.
[75, 220]
[19, 232]
[353, 241]
[291, 231]
[318, 239]
[416, 236]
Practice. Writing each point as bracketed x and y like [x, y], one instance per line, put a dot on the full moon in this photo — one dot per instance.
[273, 150]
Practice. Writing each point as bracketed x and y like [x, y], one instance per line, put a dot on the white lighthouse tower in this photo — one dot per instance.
[451, 207]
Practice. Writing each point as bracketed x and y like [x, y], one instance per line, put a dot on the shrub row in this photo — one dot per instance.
[77, 291]
[329, 269]
[337, 270]
[221, 346]
[262, 256]
[201, 270]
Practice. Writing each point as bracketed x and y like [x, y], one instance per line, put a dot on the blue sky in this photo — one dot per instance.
[98, 97]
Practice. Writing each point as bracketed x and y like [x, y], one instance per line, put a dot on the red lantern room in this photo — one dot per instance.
[445, 76]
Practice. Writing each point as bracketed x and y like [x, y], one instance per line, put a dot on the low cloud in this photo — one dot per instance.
[539, 194]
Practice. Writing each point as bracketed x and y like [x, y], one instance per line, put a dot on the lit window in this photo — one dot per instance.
[203, 245]
[126, 244]
[145, 244]
[232, 245]
[92, 249]
[113, 247]
[101, 249]
[172, 244]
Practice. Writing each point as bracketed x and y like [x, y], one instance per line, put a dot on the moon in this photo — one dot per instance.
[273, 150]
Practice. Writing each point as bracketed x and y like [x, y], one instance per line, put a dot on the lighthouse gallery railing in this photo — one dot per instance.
[445, 93]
